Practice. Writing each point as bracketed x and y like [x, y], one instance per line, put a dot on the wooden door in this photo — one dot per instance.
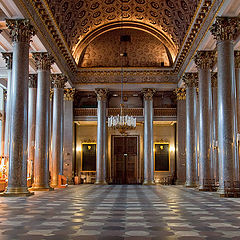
[125, 160]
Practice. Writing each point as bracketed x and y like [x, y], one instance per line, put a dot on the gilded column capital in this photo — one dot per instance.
[226, 28]
[214, 79]
[7, 56]
[58, 80]
[101, 94]
[181, 93]
[43, 60]
[69, 94]
[190, 79]
[20, 30]
[32, 81]
[148, 93]
[205, 59]
[237, 59]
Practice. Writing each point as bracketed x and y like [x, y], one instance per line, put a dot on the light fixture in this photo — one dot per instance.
[122, 122]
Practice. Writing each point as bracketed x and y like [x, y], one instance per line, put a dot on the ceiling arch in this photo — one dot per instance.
[77, 18]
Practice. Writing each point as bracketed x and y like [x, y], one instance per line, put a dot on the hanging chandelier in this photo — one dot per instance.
[122, 122]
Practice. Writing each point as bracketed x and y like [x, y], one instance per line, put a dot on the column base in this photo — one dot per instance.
[32, 189]
[146, 182]
[16, 192]
[101, 183]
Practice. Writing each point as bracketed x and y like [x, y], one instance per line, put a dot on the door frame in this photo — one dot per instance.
[138, 157]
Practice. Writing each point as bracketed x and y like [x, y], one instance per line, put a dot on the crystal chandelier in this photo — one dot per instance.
[122, 122]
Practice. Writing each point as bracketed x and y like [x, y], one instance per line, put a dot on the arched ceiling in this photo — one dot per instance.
[78, 18]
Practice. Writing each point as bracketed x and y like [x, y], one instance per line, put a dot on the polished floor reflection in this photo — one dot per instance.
[115, 212]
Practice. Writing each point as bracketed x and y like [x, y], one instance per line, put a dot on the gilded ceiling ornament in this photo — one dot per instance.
[237, 59]
[20, 30]
[226, 28]
[148, 93]
[43, 60]
[205, 59]
[101, 94]
[190, 79]
[58, 80]
[7, 56]
[69, 94]
[181, 93]
[214, 79]
[32, 81]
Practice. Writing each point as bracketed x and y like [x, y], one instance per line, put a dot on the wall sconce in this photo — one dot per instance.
[79, 148]
[172, 149]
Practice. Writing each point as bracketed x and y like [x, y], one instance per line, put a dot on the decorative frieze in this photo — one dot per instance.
[181, 93]
[214, 79]
[237, 59]
[226, 28]
[7, 56]
[101, 94]
[32, 81]
[205, 59]
[148, 93]
[20, 30]
[58, 80]
[190, 79]
[43, 60]
[69, 94]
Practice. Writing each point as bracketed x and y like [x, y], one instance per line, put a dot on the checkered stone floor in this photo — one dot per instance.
[117, 212]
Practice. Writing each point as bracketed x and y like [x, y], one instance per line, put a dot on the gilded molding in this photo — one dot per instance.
[226, 28]
[7, 56]
[101, 94]
[190, 79]
[32, 81]
[43, 60]
[237, 59]
[214, 79]
[181, 93]
[205, 59]
[69, 94]
[58, 80]
[20, 30]
[148, 93]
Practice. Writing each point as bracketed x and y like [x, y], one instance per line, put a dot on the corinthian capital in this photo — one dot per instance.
[7, 56]
[237, 59]
[190, 79]
[148, 93]
[181, 93]
[20, 30]
[43, 60]
[205, 59]
[58, 80]
[32, 81]
[226, 28]
[69, 94]
[101, 94]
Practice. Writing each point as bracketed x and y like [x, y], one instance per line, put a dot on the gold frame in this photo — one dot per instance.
[84, 143]
[169, 152]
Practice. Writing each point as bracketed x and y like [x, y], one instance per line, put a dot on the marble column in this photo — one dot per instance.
[181, 135]
[204, 61]
[68, 170]
[59, 81]
[148, 136]
[43, 63]
[190, 80]
[225, 30]
[8, 59]
[237, 76]
[101, 169]
[21, 31]
[32, 98]
[50, 131]
[3, 119]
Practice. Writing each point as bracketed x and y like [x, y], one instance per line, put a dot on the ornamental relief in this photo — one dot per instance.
[81, 17]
